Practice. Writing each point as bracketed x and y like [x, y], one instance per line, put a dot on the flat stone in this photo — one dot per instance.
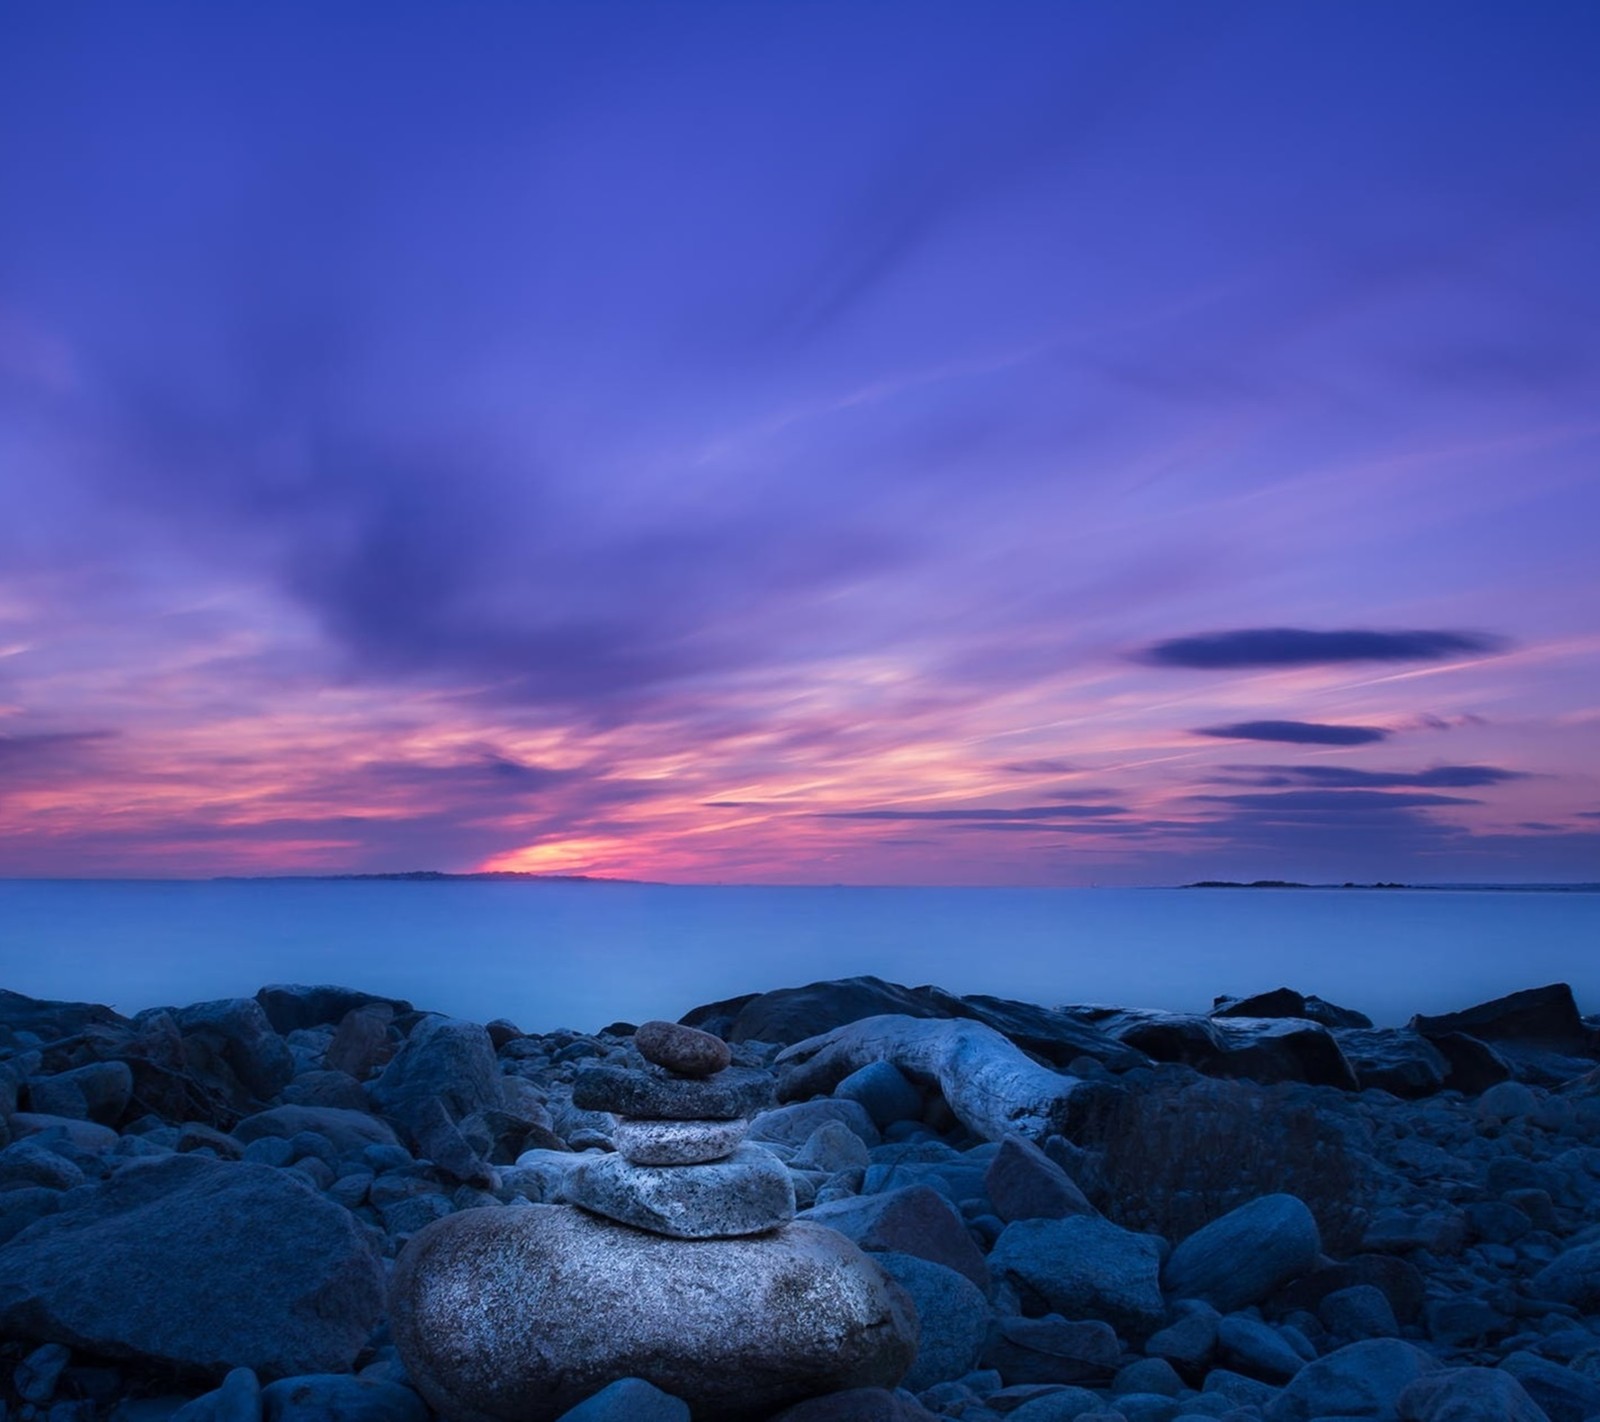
[687, 1050]
[519, 1315]
[677, 1142]
[737, 1092]
[748, 1193]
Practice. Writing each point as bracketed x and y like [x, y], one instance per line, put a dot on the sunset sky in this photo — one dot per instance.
[1090, 443]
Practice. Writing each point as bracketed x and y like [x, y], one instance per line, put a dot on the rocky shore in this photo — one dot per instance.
[851, 1200]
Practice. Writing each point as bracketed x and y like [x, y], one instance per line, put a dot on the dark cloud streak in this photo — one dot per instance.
[1254, 647]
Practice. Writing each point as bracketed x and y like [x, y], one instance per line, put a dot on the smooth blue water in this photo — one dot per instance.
[583, 955]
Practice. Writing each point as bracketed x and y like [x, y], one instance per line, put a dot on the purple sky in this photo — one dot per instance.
[984, 443]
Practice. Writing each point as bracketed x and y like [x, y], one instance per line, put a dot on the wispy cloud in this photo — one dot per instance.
[1298, 647]
[1303, 733]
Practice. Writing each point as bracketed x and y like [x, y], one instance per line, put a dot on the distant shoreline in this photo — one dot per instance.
[1417, 888]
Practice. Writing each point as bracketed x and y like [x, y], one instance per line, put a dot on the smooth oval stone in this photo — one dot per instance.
[748, 1193]
[682, 1049]
[739, 1091]
[519, 1315]
[676, 1142]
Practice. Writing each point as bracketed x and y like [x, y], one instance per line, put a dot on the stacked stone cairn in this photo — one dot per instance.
[682, 1167]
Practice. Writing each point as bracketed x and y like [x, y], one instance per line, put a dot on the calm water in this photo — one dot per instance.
[583, 955]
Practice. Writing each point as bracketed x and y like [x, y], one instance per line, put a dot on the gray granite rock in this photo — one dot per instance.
[882, 1089]
[1239, 1259]
[1084, 1267]
[197, 1263]
[686, 1050]
[239, 1031]
[563, 1303]
[1565, 1394]
[629, 1400]
[1361, 1380]
[916, 1221]
[1468, 1395]
[338, 1397]
[643, 1142]
[736, 1092]
[1052, 1350]
[748, 1193]
[1023, 1183]
[953, 1314]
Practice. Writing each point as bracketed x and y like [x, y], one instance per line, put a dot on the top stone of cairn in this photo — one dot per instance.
[685, 1050]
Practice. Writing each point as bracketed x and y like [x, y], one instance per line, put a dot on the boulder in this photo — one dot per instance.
[1256, 1349]
[1572, 1277]
[917, 1220]
[677, 1142]
[858, 1404]
[1084, 1267]
[953, 1316]
[361, 1042]
[1399, 1281]
[237, 1030]
[48, 1020]
[1360, 1380]
[1243, 1257]
[443, 1057]
[797, 1122]
[1263, 1049]
[883, 1092]
[291, 1007]
[991, 1086]
[1023, 1183]
[564, 1303]
[1286, 1002]
[1360, 1311]
[99, 1092]
[1052, 1349]
[1563, 1394]
[654, 1095]
[1544, 1017]
[1405, 1064]
[237, 1399]
[1468, 1395]
[197, 1263]
[350, 1131]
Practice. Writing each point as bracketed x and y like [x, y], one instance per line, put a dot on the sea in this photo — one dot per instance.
[583, 955]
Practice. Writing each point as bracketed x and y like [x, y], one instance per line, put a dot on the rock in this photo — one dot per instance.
[335, 1397]
[796, 1123]
[1243, 1257]
[629, 1400]
[1572, 1277]
[729, 1095]
[564, 1303]
[350, 1131]
[831, 1148]
[1397, 1279]
[290, 1007]
[883, 1092]
[860, 1404]
[1543, 1017]
[992, 1088]
[1190, 1341]
[1462, 1321]
[1474, 1066]
[27, 1162]
[1058, 1405]
[1564, 1394]
[1361, 1311]
[196, 1263]
[443, 1057]
[1148, 1375]
[1023, 1183]
[790, 1015]
[361, 1043]
[36, 1375]
[1084, 1267]
[1286, 1002]
[1405, 1064]
[238, 1031]
[47, 1020]
[1052, 1350]
[1256, 1349]
[326, 1088]
[953, 1316]
[97, 1092]
[438, 1140]
[685, 1050]
[1260, 1049]
[238, 1399]
[21, 1205]
[1360, 1380]
[1468, 1395]
[676, 1142]
[748, 1193]
[64, 1134]
[917, 1220]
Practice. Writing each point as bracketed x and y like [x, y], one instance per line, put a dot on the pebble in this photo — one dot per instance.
[686, 1050]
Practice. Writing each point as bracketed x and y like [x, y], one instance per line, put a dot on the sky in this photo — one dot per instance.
[1030, 444]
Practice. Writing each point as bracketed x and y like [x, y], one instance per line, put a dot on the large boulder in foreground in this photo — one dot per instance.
[1246, 1255]
[518, 1315]
[199, 1264]
[1545, 1017]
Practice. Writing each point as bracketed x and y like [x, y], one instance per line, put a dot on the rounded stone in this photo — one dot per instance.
[676, 1142]
[686, 1050]
[519, 1315]
[739, 1091]
[748, 1193]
